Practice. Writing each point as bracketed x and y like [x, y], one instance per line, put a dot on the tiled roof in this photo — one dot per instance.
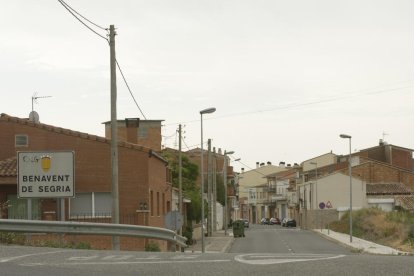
[388, 189]
[406, 202]
[8, 167]
[64, 131]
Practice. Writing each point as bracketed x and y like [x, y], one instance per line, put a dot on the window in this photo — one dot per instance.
[21, 140]
[152, 203]
[18, 208]
[163, 203]
[91, 205]
[158, 203]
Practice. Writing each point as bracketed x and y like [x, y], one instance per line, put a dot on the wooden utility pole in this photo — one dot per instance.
[180, 177]
[209, 193]
[214, 190]
[114, 138]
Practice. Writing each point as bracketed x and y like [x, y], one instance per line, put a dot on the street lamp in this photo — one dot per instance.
[225, 189]
[345, 136]
[204, 111]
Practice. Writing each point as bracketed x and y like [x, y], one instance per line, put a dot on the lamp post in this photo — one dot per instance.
[204, 111]
[225, 189]
[345, 136]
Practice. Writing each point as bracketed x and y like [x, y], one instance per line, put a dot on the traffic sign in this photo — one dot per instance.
[173, 220]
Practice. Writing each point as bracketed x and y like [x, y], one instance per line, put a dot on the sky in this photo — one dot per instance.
[286, 77]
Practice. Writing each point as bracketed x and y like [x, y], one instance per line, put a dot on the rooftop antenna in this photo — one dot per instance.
[34, 116]
[383, 135]
[35, 97]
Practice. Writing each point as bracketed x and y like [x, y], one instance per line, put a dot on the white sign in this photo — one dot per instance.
[45, 174]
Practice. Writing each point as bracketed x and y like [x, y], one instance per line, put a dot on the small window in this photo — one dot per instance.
[21, 140]
[91, 205]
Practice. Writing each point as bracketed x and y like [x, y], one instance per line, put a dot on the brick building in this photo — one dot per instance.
[144, 188]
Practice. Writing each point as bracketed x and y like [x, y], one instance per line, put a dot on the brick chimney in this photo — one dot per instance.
[146, 133]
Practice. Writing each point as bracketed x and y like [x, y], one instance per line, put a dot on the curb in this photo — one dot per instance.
[362, 249]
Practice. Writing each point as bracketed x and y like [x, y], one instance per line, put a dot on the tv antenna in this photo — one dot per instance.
[35, 97]
[383, 135]
[33, 116]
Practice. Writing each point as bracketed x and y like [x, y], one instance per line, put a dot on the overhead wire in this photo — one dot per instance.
[129, 89]
[73, 11]
[296, 105]
[69, 9]
[82, 15]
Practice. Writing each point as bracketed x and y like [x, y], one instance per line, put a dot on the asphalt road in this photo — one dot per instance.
[264, 251]
[277, 239]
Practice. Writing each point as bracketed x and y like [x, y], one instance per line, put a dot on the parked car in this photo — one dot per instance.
[264, 221]
[246, 223]
[291, 223]
[274, 221]
[288, 222]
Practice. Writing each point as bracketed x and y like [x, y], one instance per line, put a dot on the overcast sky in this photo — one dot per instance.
[286, 77]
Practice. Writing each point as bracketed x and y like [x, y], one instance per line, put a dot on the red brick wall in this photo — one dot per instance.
[138, 172]
[373, 172]
[401, 158]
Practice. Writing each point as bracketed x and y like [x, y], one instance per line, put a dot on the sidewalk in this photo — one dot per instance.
[217, 243]
[359, 244]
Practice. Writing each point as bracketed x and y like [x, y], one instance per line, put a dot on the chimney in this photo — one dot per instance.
[381, 142]
[262, 164]
[219, 151]
[242, 170]
[289, 165]
[269, 163]
[257, 165]
[282, 164]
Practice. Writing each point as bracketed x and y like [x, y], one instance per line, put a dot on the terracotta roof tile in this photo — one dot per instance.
[8, 167]
[388, 189]
[5, 117]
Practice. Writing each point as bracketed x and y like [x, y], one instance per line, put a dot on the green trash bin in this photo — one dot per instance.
[238, 228]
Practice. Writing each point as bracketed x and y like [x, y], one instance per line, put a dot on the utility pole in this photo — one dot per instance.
[209, 193]
[114, 138]
[214, 190]
[180, 177]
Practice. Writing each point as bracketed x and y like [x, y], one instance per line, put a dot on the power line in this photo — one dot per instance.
[255, 170]
[69, 9]
[82, 16]
[129, 89]
[73, 11]
[296, 105]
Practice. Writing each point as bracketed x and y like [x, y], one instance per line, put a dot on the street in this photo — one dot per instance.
[277, 239]
[266, 250]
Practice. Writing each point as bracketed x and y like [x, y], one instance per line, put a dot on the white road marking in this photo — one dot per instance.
[150, 262]
[5, 260]
[267, 259]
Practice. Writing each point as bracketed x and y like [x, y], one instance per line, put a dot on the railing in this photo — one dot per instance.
[89, 228]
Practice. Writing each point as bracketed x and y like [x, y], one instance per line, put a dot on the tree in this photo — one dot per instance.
[189, 179]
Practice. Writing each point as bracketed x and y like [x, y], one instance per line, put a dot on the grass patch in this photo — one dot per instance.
[20, 239]
[394, 229]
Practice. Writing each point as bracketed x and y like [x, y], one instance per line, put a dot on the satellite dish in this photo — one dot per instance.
[34, 117]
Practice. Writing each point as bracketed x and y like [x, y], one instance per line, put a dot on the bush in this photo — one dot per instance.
[11, 238]
[188, 233]
[153, 247]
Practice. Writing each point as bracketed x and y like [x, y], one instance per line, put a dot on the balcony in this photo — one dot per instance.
[279, 197]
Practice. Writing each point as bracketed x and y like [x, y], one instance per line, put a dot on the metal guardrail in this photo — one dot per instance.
[90, 228]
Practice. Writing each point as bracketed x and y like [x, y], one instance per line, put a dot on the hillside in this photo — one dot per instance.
[394, 229]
